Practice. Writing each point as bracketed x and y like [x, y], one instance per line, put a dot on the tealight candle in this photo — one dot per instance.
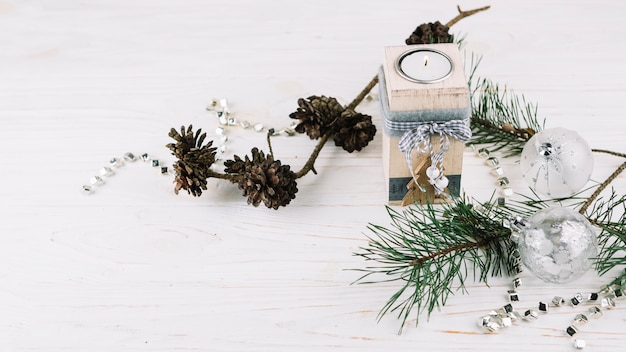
[424, 66]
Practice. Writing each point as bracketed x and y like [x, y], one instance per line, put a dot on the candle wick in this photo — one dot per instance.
[425, 60]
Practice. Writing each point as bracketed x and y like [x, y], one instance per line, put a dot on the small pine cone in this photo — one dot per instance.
[316, 115]
[264, 179]
[194, 160]
[355, 131]
[237, 166]
[429, 33]
[186, 179]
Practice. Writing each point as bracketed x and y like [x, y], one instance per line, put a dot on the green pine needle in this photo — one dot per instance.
[429, 249]
[610, 216]
[492, 108]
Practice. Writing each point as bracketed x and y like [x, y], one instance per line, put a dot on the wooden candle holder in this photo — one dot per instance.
[405, 100]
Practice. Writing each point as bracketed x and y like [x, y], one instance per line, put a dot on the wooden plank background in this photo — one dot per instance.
[134, 267]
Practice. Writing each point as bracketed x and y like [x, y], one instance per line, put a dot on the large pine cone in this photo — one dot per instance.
[264, 179]
[316, 115]
[430, 33]
[355, 131]
[194, 160]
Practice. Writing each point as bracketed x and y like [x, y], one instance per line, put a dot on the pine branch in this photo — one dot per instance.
[610, 216]
[428, 249]
[501, 118]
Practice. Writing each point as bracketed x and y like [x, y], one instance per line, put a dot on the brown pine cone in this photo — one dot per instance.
[264, 179]
[316, 115]
[355, 131]
[194, 160]
[430, 33]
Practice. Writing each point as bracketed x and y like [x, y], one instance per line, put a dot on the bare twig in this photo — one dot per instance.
[310, 164]
[462, 14]
[602, 187]
[359, 98]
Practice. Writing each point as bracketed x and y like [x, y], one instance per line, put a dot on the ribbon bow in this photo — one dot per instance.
[419, 138]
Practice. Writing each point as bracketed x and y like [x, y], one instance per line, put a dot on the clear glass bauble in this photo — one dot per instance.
[558, 244]
[556, 162]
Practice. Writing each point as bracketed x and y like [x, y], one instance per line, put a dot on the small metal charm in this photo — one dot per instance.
[577, 299]
[517, 282]
[493, 326]
[607, 303]
[506, 321]
[155, 162]
[558, 301]
[145, 157]
[579, 344]
[212, 105]
[164, 170]
[484, 321]
[503, 181]
[580, 320]
[595, 312]
[130, 157]
[507, 308]
[259, 127]
[223, 102]
[501, 201]
[519, 221]
[87, 189]
[571, 330]
[592, 296]
[513, 296]
[244, 124]
[96, 180]
[106, 171]
[507, 192]
[543, 307]
[490, 323]
[483, 152]
[497, 171]
[492, 161]
[606, 291]
[530, 315]
[115, 162]
[220, 131]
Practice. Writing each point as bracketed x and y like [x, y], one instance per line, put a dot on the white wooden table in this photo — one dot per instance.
[134, 267]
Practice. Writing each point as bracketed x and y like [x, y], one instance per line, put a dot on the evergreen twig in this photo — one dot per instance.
[501, 118]
[428, 248]
[610, 216]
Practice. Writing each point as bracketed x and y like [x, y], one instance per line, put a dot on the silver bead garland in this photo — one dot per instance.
[505, 316]
[502, 182]
[115, 164]
[226, 120]
[220, 109]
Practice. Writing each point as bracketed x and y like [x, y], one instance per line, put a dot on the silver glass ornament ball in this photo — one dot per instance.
[556, 162]
[558, 244]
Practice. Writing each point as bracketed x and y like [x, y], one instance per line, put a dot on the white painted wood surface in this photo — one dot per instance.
[134, 267]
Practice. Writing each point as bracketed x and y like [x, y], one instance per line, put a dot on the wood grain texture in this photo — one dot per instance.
[134, 267]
